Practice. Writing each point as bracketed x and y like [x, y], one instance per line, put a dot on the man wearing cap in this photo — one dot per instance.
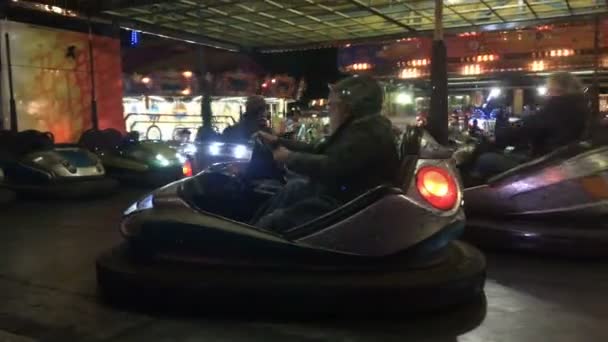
[254, 119]
[359, 154]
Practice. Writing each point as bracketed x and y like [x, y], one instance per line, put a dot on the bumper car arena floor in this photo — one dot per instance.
[48, 293]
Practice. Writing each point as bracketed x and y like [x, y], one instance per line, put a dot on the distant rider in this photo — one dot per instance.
[253, 120]
[560, 122]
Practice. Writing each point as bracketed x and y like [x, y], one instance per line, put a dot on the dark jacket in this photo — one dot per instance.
[360, 155]
[243, 130]
[561, 122]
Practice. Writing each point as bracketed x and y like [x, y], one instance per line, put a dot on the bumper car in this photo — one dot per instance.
[556, 204]
[203, 154]
[34, 166]
[148, 162]
[391, 248]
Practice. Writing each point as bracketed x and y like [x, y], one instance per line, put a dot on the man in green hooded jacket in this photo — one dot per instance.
[359, 154]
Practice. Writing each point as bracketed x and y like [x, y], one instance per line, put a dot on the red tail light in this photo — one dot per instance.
[437, 186]
[187, 169]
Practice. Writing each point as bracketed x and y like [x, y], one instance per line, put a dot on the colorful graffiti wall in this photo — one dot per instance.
[51, 78]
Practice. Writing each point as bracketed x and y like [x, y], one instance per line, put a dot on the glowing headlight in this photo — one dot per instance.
[189, 149]
[144, 204]
[215, 149]
[240, 152]
[131, 209]
[162, 161]
[182, 159]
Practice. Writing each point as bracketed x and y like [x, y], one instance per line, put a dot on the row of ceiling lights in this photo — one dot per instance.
[359, 66]
[414, 63]
[555, 53]
[272, 81]
[188, 74]
[409, 73]
[537, 65]
[471, 69]
[481, 58]
[146, 80]
[476, 69]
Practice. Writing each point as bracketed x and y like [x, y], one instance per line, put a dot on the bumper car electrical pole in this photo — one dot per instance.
[12, 106]
[207, 128]
[3, 14]
[94, 117]
[595, 100]
[206, 131]
[2, 117]
[437, 123]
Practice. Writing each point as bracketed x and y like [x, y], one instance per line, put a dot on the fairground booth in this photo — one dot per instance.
[161, 104]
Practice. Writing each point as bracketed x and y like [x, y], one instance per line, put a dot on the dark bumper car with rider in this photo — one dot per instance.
[554, 204]
[202, 154]
[148, 162]
[34, 166]
[393, 247]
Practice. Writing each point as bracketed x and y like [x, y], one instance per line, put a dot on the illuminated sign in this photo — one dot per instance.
[135, 38]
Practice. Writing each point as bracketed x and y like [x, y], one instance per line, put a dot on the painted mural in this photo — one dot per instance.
[51, 78]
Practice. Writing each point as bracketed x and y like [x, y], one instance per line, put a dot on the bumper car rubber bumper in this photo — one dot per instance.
[68, 189]
[578, 240]
[6, 196]
[457, 279]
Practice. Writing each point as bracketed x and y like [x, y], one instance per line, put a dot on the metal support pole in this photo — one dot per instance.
[595, 100]
[12, 105]
[204, 85]
[205, 93]
[2, 117]
[94, 117]
[3, 14]
[437, 123]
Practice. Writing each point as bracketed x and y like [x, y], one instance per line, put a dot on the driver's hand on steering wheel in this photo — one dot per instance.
[280, 154]
[267, 138]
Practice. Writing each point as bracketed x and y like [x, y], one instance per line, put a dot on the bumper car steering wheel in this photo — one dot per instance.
[262, 164]
[467, 152]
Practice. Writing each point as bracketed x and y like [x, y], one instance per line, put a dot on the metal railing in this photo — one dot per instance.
[193, 122]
